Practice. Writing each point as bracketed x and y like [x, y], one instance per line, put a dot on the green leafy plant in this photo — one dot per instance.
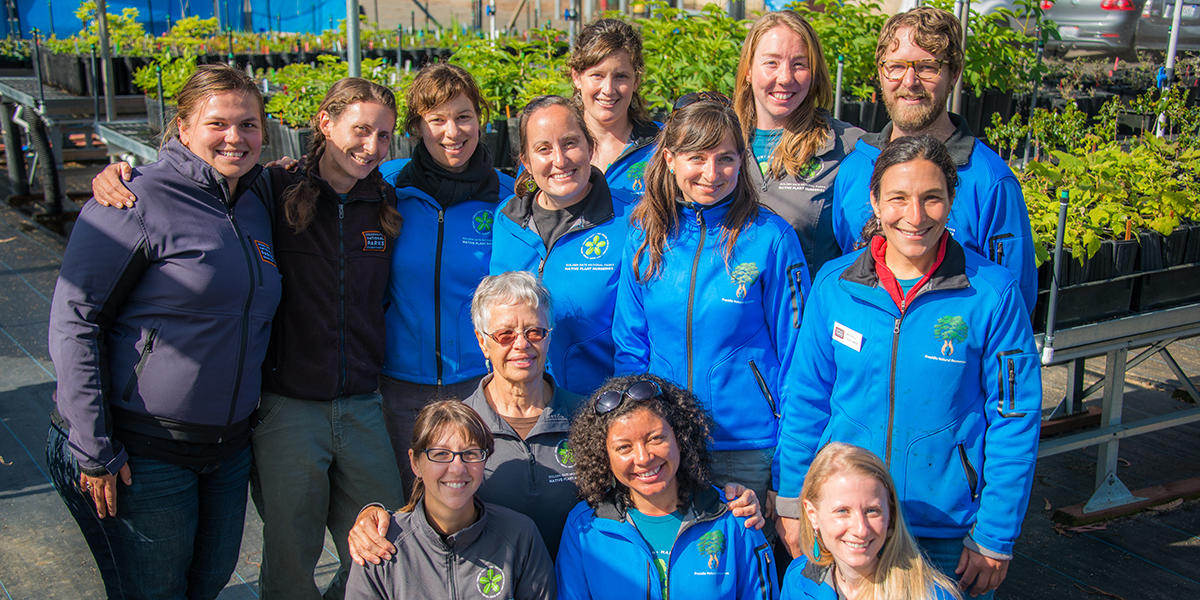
[849, 30]
[175, 72]
[512, 71]
[688, 52]
[125, 34]
[301, 86]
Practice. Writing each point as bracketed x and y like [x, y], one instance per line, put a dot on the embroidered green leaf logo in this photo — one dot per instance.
[490, 582]
[483, 221]
[810, 168]
[712, 544]
[594, 246]
[744, 275]
[950, 329]
[566, 456]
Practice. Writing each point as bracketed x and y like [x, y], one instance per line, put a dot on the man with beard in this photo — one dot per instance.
[920, 57]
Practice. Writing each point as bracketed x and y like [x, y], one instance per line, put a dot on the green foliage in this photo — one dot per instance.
[849, 30]
[189, 33]
[513, 71]
[999, 56]
[1114, 185]
[688, 52]
[125, 33]
[175, 72]
[303, 86]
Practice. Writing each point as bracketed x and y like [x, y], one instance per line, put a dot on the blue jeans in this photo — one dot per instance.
[944, 554]
[177, 532]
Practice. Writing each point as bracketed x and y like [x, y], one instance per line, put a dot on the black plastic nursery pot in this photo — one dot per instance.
[1088, 302]
[67, 72]
[1168, 287]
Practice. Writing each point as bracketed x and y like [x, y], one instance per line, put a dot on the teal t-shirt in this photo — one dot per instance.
[763, 145]
[907, 284]
[660, 534]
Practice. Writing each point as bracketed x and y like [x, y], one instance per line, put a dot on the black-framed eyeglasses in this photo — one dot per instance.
[694, 97]
[640, 391]
[506, 337]
[925, 70]
[445, 455]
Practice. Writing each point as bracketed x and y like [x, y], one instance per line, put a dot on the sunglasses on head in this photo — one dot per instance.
[639, 391]
[506, 337]
[694, 97]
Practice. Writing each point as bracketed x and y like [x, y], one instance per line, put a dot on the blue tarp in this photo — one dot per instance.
[58, 16]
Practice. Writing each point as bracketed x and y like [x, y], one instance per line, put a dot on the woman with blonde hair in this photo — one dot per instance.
[712, 287]
[783, 98]
[855, 541]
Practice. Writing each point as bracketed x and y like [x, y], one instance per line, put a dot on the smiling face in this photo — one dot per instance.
[607, 88]
[914, 104]
[706, 176]
[225, 131]
[357, 141]
[644, 457]
[556, 153]
[522, 361]
[450, 132]
[913, 205]
[449, 487]
[851, 516]
[780, 76]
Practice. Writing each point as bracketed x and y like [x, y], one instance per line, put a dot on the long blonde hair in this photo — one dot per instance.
[902, 571]
[806, 129]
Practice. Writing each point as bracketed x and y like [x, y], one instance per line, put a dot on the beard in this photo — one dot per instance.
[909, 118]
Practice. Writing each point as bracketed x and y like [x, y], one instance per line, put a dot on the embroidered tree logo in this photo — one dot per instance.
[483, 221]
[565, 455]
[490, 582]
[712, 544]
[744, 275]
[594, 246]
[635, 172]
[949, 330]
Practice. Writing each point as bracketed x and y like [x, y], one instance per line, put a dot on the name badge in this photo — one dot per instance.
[847, 337]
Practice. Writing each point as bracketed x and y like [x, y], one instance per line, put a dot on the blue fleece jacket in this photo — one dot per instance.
[810, 581]
[439, 258]
[163, 311]
[715, 556]
[580, 268]
[626, 174]
[989, 216]
[720, 328]
[947, 392]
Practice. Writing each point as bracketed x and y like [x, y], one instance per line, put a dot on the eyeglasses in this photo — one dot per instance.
[925, 70]
[443, 455]
[640, 391]
[694, 97]
[506, 337]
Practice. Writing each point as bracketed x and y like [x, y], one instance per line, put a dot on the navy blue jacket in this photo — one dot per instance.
[163, 311]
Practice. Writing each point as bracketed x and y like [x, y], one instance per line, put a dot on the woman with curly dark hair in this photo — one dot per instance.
[641, 464]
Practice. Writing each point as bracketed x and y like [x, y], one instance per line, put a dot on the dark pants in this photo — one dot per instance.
[401, 403]
[177, 531]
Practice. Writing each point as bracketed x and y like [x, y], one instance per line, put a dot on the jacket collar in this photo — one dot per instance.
[706, 505]
[455, 542]
[643, 135]
[194, 169]
[960, 145]
[555, 418]
[714, 214]
[951, 274]
[598, 205]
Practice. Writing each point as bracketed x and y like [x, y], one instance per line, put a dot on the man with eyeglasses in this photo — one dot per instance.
[920, 57]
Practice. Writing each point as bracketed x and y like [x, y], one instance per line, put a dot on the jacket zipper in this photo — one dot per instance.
[692, 293]
[450, 571]
[572, 229]
[342, 299]
[141, 364]
[437, 295]
[892, 385]
[1008, 375]
[649, 582]
[762, 385]
[764, 577]
[972, 476]
[241, 356]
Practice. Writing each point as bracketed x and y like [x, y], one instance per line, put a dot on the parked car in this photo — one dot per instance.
[1108, 26]
[1154, 28]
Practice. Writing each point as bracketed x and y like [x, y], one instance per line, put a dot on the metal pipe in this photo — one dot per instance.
[1052, 303]
[837, 90]
[37, 69]
[353, 43]
[162, 102]
[1172, 48]
[110, 109]
[14, 155]
[1033, 102]
[962, 8]
[95, 88]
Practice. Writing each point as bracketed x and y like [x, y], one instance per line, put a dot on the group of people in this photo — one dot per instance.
[579, 383]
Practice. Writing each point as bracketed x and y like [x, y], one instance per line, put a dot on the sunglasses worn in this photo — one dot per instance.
[640, 391]
[925, 70]
[506, 337]
[443, 455]
[694, 97]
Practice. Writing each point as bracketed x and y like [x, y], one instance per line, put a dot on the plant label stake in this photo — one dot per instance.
[837, 94]
[1052, 304]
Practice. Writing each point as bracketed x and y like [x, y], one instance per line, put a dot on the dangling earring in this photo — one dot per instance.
[487, 362]
[816, 545]
[530, 186]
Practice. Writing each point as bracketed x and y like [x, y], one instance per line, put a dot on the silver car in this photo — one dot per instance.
[1108, 26]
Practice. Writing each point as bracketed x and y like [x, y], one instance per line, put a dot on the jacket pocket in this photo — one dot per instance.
[143, 357]
[766, 391]
[795, 276]
[1011, 361]
[996, 247]
[763, 554]
[969, 471]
